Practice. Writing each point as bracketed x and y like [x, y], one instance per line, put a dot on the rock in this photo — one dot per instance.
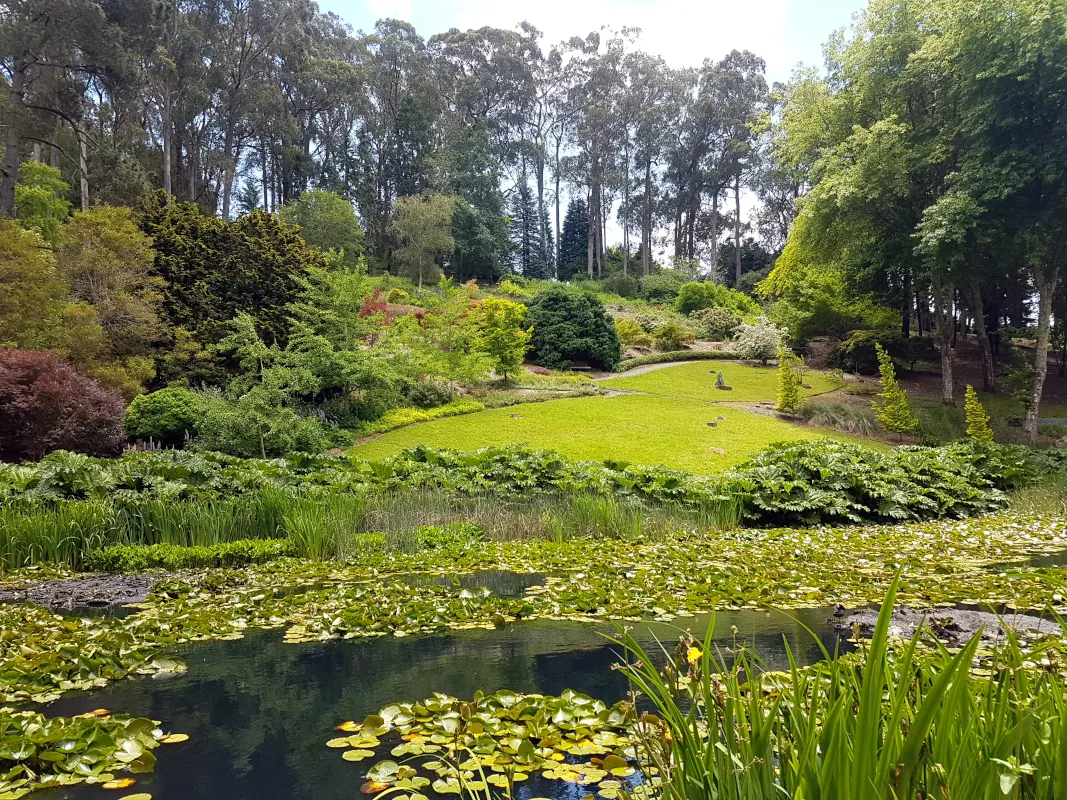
[713, 424]
[516, 416]
[721, 418]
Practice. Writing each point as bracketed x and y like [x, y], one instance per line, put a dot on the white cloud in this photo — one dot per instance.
[682, 31]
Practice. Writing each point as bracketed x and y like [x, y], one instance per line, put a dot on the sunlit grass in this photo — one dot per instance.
[697, 381]
[641, 429]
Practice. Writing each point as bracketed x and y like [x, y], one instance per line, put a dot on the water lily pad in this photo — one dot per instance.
[357, 755]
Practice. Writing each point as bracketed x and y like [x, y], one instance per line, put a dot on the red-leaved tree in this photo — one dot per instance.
[46, 405]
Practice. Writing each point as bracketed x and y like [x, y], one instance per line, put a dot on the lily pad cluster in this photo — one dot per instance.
[38, 752]
[43, 654]
[453, 746]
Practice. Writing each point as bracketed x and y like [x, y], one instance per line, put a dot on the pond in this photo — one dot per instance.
[259, 711]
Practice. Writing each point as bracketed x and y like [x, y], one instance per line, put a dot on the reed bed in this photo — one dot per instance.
[332, 526]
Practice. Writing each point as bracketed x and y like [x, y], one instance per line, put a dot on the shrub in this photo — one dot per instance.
[397, 295]
[648, 321]
[46, 405]
[788, 382]
[569, 326]
[715, 324]
[427, 394]
[661, 287]
[631, 334]
[252, 426]
[622, 285]
[759, 341]
[139, 558]
[893, 412]
[858, 353]
[977, 420]
[166, 416]
[512, 288]
[825, 482]
[694, 296]
[672, 336]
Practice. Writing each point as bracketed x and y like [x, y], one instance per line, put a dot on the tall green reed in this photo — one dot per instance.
[898, 721]
[35, 533]
[327, 527]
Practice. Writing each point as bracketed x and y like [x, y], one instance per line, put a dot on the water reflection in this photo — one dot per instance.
[258, 711]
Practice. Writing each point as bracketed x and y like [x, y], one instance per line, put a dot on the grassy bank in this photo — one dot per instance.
[642, 429]
[696, 381]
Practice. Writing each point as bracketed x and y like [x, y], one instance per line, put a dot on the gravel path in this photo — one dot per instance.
[607, 376]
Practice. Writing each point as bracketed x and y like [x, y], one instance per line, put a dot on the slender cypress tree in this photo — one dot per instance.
[573, 240]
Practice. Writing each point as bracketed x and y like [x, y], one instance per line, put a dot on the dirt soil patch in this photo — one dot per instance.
[953, 626]
[94, 591]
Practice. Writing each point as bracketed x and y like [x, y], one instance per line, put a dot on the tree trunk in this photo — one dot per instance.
[542, 217]
[626, 211]
[715, 230]
[228, 171]
[737, 232]
[989, 378]
[945, 318]
[168, 143]
[906, 307]
[266, 204]
[559, 140]
[646, 227]
[83, 169]
[9, 170]
[1046, 290]
[589, 245]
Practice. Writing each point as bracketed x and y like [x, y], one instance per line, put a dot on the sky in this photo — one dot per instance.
[684, 32]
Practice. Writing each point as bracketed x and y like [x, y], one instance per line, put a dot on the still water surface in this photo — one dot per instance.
[259, 711]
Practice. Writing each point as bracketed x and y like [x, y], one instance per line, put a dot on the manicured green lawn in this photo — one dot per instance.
[697, 380]
[643, 429]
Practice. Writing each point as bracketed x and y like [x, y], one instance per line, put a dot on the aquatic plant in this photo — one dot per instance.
[463, 747]
[897, 721]
[587, 579]
[39, 752]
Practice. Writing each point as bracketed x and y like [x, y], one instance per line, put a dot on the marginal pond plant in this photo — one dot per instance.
[901, 719]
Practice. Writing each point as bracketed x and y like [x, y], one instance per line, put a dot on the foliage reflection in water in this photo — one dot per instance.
[258, 711]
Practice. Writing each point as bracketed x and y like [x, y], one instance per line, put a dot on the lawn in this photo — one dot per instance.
[697, 380]
[642, 429]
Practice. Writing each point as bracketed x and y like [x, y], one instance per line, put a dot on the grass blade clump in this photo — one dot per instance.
[899, 720]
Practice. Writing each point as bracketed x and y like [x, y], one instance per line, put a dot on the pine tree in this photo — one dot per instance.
[893, 412]
[788, 382]
[977, 420]
[548, 250]
[527, 247]
[573, 240]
